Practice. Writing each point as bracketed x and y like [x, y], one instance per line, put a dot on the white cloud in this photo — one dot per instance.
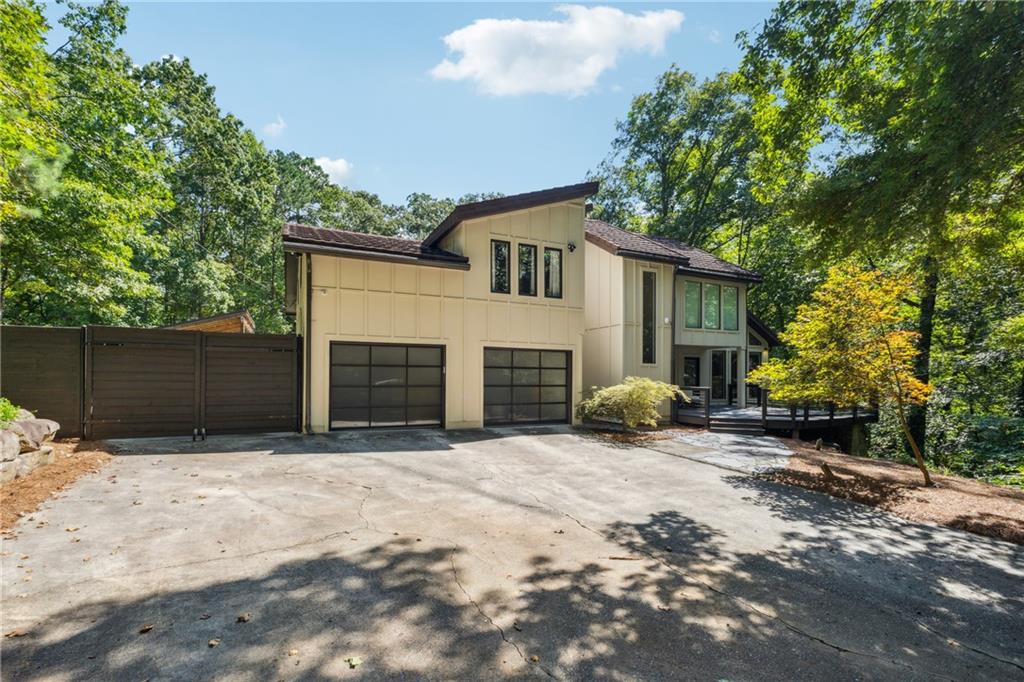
[714, 36]
[338, 170]
[275, 128]
[519, 57]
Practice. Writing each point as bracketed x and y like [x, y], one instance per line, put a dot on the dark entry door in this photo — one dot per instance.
[386, 385]
[522, 386]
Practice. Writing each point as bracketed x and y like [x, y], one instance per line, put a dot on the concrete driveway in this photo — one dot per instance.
[488, 554]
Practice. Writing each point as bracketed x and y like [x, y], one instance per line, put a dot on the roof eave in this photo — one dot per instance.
[751, 278]
[516, 202]
[455, 262]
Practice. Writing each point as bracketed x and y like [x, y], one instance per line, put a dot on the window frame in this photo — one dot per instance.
[547, 272]
[700, 304]
[654, 317]
[508, 266]
[519, 277]
[703, 306]
[721, 308]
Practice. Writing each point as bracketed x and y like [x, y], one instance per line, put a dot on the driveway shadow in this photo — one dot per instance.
[669, 603]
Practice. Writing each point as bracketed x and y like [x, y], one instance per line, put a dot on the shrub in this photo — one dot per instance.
[8, 412]
[634, 401]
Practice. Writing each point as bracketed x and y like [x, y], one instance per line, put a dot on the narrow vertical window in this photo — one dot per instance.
[500, 266]
[712, 306]
[649, 293]
[730, 308]
[692, 303]
[527, 270]
[553, 273]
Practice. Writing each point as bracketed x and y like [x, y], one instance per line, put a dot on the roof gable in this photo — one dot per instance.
[516, 202]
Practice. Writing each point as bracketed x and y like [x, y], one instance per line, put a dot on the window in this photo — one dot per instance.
[692, 301]
[712, 305]
[553, 273]
[527, 270]
[500, 265]
[730, 308]
[649, 285]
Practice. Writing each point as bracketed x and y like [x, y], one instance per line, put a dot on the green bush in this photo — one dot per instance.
[634, 401]
[8, 412]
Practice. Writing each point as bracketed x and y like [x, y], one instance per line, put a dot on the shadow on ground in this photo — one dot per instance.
[669, 603]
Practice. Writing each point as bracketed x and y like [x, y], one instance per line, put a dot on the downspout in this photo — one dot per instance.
[309, 338]
[674, 410]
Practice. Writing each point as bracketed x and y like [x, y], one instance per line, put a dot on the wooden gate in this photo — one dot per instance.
[115, 382]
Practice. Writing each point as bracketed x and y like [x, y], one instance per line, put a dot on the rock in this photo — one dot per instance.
[32, 433]
[8, 471]
[10, 446]
[24, 414]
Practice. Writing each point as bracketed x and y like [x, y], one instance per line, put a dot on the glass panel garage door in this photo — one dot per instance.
[386, 385]
[522, 386]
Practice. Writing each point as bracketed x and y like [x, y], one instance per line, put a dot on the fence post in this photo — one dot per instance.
[707, 407]
[87, 385]
[762, 395]
[831, 413]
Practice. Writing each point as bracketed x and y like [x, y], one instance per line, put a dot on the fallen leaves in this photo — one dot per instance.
[145, 628]
[16, 633]
[244, 618]
[213, 642]
[354, 662]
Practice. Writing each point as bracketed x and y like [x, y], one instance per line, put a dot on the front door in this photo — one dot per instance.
[691, 371]
[718, 375]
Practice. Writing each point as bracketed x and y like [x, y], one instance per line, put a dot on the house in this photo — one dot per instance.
[237, 322]
[658, 308]
[505, 313]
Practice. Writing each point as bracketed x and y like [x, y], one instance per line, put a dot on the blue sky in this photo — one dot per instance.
[521, 105]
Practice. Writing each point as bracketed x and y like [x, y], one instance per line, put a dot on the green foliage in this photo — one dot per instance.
[128, 197]
[635, 401]
[8, 412]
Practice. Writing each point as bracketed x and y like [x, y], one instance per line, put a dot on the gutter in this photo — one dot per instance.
[372, 255]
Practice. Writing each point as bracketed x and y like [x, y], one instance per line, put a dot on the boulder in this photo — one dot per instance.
[10, 446]
[24, 414]
[32, 433]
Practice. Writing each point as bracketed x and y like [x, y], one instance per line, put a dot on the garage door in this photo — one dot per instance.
[522, 386]
[377, 385]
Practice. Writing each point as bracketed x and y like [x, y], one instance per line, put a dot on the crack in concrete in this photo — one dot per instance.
[500, 630]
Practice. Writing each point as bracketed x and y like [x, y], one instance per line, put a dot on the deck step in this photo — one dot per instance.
[738, 427]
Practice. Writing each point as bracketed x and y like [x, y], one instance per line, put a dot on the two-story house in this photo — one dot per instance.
[506, 313]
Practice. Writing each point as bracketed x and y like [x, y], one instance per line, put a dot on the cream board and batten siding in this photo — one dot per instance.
[613, 341]
[375, 301]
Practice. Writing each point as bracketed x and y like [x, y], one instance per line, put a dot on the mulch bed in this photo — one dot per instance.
[980, 508]
[72, 460]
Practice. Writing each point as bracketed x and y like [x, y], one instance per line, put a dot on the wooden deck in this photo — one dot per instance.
[754, 419]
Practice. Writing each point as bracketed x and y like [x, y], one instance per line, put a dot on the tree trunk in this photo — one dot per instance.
[918, 457]
[917, 419]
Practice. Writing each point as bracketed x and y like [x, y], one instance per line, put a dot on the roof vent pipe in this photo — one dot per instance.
[588, 207]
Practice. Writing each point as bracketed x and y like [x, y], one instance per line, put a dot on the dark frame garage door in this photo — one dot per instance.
[526, 386]
[386, 385]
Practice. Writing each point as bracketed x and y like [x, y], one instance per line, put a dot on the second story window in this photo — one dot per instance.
[730, 309]
[527, 270]
[553, 273]
[500, 267]
[712, 306]
[649, 309]
[692, 305]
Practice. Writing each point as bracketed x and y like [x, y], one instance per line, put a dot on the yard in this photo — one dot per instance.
[484, 554]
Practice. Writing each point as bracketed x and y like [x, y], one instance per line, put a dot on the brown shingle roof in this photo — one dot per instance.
[662, 249]
[306, 237]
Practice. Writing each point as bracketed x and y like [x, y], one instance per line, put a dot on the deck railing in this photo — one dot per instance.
[779, 414]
